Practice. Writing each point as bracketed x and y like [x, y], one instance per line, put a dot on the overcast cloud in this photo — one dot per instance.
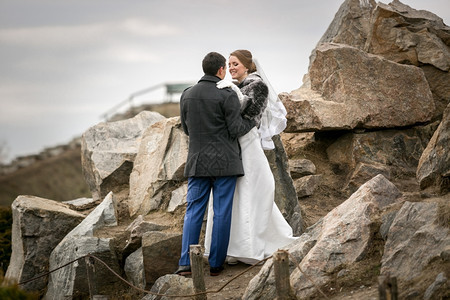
[65, 63]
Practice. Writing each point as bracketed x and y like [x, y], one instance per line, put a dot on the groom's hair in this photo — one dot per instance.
[212, 63]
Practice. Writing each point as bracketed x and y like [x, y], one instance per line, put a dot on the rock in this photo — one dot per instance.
[433, 169]
[158, 167]
[301, 167]
[364, 172]
[38, 226]
[108, 151]
[415, 37]
[134, 269]
[340, 239]
[285, 195]
[137, 229]
[161, 252]
[351, 24]
[171, 285]
[389, 152]
[410, 36]
[379, 94]
[440, 284]
[178, 198]
[295, 142]
[71, 281]
[415, 239]
[305, 186]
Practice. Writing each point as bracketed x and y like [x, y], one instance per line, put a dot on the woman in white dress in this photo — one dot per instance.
[257, 226]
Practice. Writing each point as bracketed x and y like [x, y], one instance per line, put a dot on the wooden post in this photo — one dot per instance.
[196, 256]
[90, 272]
[282, 281]
[387, 288]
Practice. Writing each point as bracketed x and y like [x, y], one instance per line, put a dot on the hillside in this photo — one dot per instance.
[59, 177]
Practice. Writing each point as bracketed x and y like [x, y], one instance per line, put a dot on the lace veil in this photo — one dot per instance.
[273, 120]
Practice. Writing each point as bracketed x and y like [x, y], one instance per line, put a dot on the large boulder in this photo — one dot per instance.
[417, 37]
[417, 236]
[377, 94]
[159, 167]
[434, 164]
[161, 252]
[285, 194]
[108, 150]
[351, 24]
[38, 226]
[405, 35]
[75, 279]
[342, 238]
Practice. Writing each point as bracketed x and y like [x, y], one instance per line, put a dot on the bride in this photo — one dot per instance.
[257, 226]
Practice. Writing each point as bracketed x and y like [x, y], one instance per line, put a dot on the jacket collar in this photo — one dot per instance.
[211, 78]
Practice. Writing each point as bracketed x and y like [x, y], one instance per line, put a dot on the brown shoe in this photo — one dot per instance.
[215, 271]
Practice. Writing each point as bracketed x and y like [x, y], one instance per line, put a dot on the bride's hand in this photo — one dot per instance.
[225, 83]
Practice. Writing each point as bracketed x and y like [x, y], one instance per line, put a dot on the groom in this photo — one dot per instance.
[212, 120]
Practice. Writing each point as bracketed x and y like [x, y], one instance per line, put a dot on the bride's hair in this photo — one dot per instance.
[245, 57]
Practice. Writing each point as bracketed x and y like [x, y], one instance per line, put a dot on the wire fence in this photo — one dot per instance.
[90, 258]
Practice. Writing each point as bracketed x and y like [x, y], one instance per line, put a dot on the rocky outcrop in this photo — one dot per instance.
[416, 238]
[159, 167]
[377, 94]
[108, 151]
[73, 281]
[341, 238]
[38, 226]
[434, 165]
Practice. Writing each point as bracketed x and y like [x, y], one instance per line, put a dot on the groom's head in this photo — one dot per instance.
[212, 64]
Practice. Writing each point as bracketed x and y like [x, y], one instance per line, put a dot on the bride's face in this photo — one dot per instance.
[237, 70]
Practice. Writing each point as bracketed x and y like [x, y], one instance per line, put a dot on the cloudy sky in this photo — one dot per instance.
[63, 64]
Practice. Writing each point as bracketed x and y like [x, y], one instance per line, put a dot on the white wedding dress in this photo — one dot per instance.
[257, 226]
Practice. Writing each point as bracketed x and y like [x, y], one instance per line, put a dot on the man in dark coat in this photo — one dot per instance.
[211, 117]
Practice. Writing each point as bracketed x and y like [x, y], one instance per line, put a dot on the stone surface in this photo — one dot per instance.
[388, 152]
[301, 167]
[161, 252]
[351, 24]
[178, 198]
[108, 150]
[285, 195]
[434, 165]
[406, 35]
[158, 167]
[171, 285]
[341, 238]
[306, 185]
[134, 268]
[415, 239]
[379, 94]
[71, 281]
[38, 226]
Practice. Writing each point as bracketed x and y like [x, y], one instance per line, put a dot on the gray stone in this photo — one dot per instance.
[158, 167]
[134, 268]
[285, 195]
[341, 238]
[305, 186]
[161, 252]
[108, 150]
[439, 284]
[171, 285]
[415, 238]
[71, 281]
[433, 169]
[178, 198]
[38, 226]
[301, 167]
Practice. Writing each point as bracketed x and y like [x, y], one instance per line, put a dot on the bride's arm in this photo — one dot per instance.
[256, 93]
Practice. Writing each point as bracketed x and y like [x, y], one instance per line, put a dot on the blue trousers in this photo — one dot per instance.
[199, 189]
